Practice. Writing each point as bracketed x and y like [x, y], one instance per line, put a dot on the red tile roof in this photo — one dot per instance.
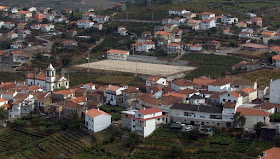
[203, 80]
[117, 51]
[112, 88]
[183, 82]
[234, 94]
[149, 111]
[153, 78]
[230, 105]
[276, 57]
[272, 153]
[251, 45]
[275, 48]
[64, 92]
[95, 112]
[206, 13]
[252, 112]
[248, 90]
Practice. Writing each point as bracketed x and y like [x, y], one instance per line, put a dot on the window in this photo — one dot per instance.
[186, 114]
[228, 95]
[224, 100]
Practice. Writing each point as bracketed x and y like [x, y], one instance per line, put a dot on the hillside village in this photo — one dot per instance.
[181, 90]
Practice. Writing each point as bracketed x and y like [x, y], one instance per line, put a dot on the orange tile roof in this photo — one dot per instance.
[136, 44]
[174, 45]
[64, 92]
[117, 51]
[179, 95]
[3, 100]
[276, 57]
[267, 33]
[234, 94]
[149, 111]
[272, 153]
[252, 45]
[275, 48]
[95, 112]
[162, 33]
[153, 78]
[149, 43]
[15, 52]
[23, 12]
[78, 99]
[206, 20]
[33, 88]
[112, 88]
[248, 90]
[203, 80]
[252, 112]
[183, 82]
[2, 7]
[206, 13]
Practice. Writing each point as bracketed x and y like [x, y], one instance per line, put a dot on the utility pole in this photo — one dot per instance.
[153, 16]
[126, 15]
[88, 61]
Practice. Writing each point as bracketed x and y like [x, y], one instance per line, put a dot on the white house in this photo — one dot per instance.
[97, 120]
[220, 85]
[89, 86]
[178, 21]
[182, 84]
[111, 93]
[153, 80]
[3, 102]
[48, 80]
[146, 121]
[228, 19]
[85, 24]
[207, 24]
[122, 31]
[14, 10]
[9, 25]
[195, 47]
[101, 19]
[244, 35]
[253, 116]
[262, 91]
[22, 105]
[274, 95]
[146, 46]
[174, 48]
[32, 9]
[232, 96]
[88, 15]
[117, 54]
[199, 115]
[276, 59]
[207, 15]
[178, 11]
[47, 27]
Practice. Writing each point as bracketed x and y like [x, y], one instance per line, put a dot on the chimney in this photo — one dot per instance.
[86, 111]
[260, 108]
[97, 108]
[144, 108]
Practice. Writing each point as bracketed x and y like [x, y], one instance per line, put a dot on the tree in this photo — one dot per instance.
[72, 17]
[3, 114]
[161, 52]
[239, 120]
[258, 128]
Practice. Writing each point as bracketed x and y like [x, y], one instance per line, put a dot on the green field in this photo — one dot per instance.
[210, 65]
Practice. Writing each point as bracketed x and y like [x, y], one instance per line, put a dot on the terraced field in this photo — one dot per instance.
[20, 144]
[162, 143]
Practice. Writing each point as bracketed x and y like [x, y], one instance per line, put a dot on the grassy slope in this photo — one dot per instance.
[262, 76]
[210, 65]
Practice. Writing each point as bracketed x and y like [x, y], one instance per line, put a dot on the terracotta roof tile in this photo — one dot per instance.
[272, 153]
[95, 112]
[117, 51]
[252, 112]
[149, 111]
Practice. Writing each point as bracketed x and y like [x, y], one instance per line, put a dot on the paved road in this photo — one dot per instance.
[48, 47]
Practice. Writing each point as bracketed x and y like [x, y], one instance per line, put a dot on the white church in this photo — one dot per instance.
[48, 80]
